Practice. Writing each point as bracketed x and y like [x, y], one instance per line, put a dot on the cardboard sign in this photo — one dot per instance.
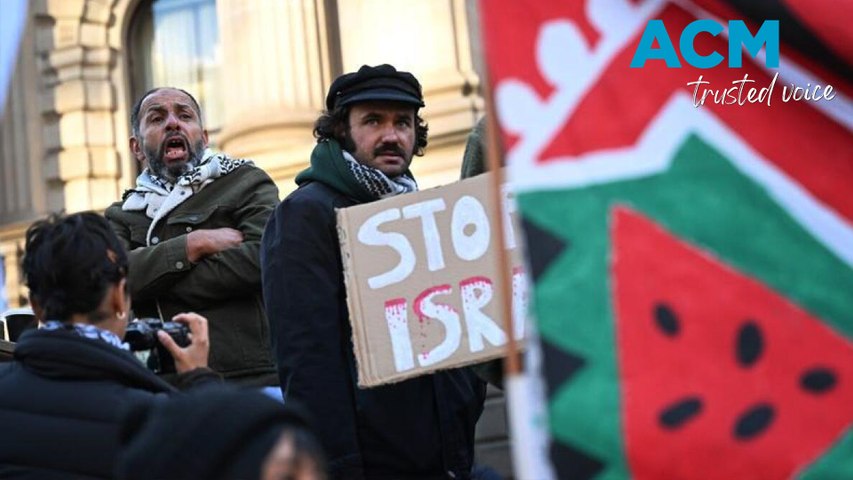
[421, 278]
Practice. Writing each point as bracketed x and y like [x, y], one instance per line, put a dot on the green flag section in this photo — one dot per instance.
[710, 332]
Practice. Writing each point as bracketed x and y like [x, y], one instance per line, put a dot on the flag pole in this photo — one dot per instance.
[529, 442]
[524, 407]
[494, 152]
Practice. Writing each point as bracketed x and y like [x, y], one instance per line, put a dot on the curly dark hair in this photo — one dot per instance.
[335, 125]
[69, 261]
[134, 113]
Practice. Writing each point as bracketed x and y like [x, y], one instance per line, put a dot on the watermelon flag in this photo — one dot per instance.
[689, 224]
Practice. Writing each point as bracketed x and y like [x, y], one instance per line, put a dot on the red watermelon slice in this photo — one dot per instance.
[722, 377]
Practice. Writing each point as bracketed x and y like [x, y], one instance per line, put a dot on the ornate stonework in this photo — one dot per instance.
[63, 140]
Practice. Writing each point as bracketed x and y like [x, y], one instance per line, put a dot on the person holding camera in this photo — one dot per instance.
[63, 395]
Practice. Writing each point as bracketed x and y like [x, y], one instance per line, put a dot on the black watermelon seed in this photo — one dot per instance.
[750, 344]
[666, 320]
[818, 380]
[756, 420]
[680, 412]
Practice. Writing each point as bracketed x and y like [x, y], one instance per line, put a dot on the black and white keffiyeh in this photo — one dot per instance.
[157, 196]
[376, 182]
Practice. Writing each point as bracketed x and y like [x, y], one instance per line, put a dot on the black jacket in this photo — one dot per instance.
[61, 401]
[416, 429]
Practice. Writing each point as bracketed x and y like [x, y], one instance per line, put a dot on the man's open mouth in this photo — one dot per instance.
[176, 149]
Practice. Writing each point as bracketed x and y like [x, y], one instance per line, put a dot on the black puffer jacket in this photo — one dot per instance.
[421, 428]
[61, 400]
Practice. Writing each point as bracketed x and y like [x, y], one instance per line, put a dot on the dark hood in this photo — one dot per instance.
[59, 354]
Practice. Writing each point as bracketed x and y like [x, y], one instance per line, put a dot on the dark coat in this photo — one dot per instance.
[61, 401]
[416, 429]
[225, 287]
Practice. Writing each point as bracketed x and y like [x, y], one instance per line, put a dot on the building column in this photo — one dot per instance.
[277, 67]
[81, 164]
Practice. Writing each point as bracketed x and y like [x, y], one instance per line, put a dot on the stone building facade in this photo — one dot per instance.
[63, 137]
[263, 72]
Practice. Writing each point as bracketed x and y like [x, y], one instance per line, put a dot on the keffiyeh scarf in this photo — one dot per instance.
[376, 182]
[157, 196]
[87, 331]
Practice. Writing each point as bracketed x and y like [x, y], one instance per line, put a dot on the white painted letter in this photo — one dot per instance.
[509, 207]
[469, 211]
[432, 241]
[476, 294]
[519, 302]
[369, 234]
[425, 308]
[397, 318]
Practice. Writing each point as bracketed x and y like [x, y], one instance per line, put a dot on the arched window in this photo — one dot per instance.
[175, 43]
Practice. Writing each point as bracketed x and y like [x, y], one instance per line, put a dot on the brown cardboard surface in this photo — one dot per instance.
[421, 280]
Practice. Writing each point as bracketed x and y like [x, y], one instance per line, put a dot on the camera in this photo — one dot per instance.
[141, 335]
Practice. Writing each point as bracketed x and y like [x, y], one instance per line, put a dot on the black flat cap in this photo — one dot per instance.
[382, 82]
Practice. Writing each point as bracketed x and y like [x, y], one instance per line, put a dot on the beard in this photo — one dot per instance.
[157, 165]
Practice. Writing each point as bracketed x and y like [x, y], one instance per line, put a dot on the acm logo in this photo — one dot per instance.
[739, 35]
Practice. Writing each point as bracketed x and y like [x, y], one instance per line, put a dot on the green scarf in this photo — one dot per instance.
[329, 167]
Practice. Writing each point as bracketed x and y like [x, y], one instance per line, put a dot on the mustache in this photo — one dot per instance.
[389, 149]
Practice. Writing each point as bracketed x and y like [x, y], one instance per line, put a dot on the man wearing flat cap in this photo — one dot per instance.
[421, 428]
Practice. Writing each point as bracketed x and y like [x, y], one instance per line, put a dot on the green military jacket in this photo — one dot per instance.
[225, 287]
